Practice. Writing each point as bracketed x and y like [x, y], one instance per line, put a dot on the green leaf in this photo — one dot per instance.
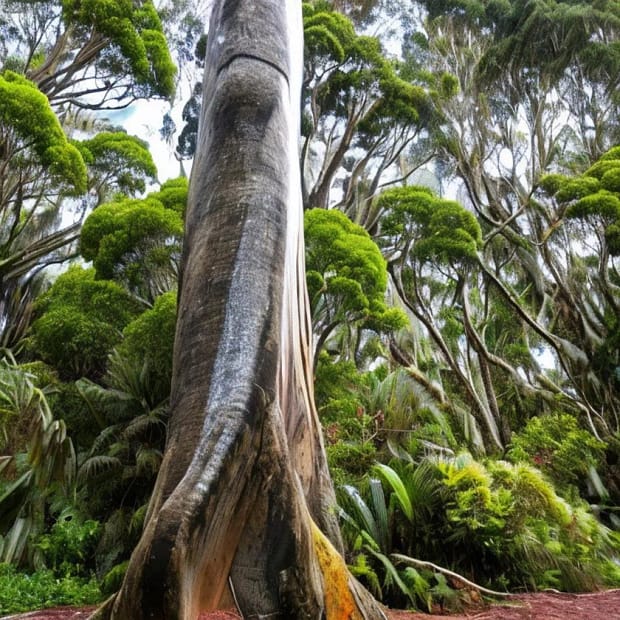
[397, 487]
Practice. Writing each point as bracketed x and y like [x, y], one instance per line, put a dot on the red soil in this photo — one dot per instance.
[540, 606]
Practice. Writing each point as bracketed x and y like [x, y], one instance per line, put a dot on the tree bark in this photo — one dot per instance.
[243, 496]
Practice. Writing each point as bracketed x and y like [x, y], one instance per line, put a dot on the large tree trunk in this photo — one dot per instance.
[243, 499]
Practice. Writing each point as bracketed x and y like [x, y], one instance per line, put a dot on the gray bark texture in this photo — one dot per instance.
[244, 477]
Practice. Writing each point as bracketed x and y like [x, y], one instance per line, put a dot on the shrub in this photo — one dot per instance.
[24, 592]
[497, 523]
[557, 445]
[68, 550]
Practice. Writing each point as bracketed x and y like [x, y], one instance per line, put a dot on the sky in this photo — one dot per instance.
[143, 119]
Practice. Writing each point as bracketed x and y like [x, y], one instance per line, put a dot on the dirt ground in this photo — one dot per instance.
[539, 606]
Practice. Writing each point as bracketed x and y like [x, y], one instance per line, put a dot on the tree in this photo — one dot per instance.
[38, 165]
[362, 113]
[432, 246]
[347, 279]
[243, 491]
[520, 112]
[59, 58]
[80, 321]
[137, 242]
[88, 53]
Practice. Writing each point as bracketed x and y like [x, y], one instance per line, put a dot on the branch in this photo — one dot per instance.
[438, 569]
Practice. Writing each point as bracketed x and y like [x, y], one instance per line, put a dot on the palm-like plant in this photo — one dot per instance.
[406, 412]
[119, 471]
[43, 455]
[378, 528]
[499, 523]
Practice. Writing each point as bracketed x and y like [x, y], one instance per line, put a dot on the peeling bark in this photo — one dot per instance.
[244, 493]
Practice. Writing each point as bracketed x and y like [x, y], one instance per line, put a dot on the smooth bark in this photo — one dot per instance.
[243, 499]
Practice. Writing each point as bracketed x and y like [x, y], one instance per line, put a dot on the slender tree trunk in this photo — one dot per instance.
[244, 496]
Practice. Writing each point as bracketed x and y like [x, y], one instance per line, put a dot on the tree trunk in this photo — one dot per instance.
[243, 498]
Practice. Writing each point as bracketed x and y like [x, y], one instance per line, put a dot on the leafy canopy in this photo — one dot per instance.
[26, 116]
[441, 230]
[80, 319]
[346, 274]
[134, 240]
[547, 35]
[593, 196]
[135, 32]
[118, 162]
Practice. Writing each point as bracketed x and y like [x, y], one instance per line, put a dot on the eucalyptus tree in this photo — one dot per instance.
[347, 280]
[78, 321]
[243, 498]
[59, 58]
[526, 106]
[361, 114]
[137, 242]
[37, 166]
[432, 247]
[590, 206]
[47, 185]
[88, 53]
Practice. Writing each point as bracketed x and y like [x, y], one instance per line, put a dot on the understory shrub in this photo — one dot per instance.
[68, 550]
[499, 524]
[559, 447]
[23, 592]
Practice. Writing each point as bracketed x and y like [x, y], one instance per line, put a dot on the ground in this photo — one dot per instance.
[540, 606]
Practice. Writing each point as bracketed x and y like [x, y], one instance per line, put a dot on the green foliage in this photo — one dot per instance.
[346, 275]
[348, 460]
[25, 114]
[42, 589]
[362, 68]
[173, 195]
[338, 388]
[370, 526]
[544, 35]
[121, 163]
[68, 550]
[494, 522]
[348, 430]
[360, 104]
[113, 579]
[441, 230]
[519, 530]
[117, 476]
[137, 242]
[80, 320]
[326, 33]
[148, 340]
[43, 462]
[592, 197]
[558, 446]
[138, 44]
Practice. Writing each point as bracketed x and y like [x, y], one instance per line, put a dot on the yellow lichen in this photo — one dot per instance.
[339, 602]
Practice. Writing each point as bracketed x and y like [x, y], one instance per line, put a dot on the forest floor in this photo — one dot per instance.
[539, 606]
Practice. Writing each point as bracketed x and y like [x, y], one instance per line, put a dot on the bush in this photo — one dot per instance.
[69, 549]
[557, 445]
[25, 592]
[500, 524]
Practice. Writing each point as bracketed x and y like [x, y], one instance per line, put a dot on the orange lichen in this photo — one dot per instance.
[339, 602]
